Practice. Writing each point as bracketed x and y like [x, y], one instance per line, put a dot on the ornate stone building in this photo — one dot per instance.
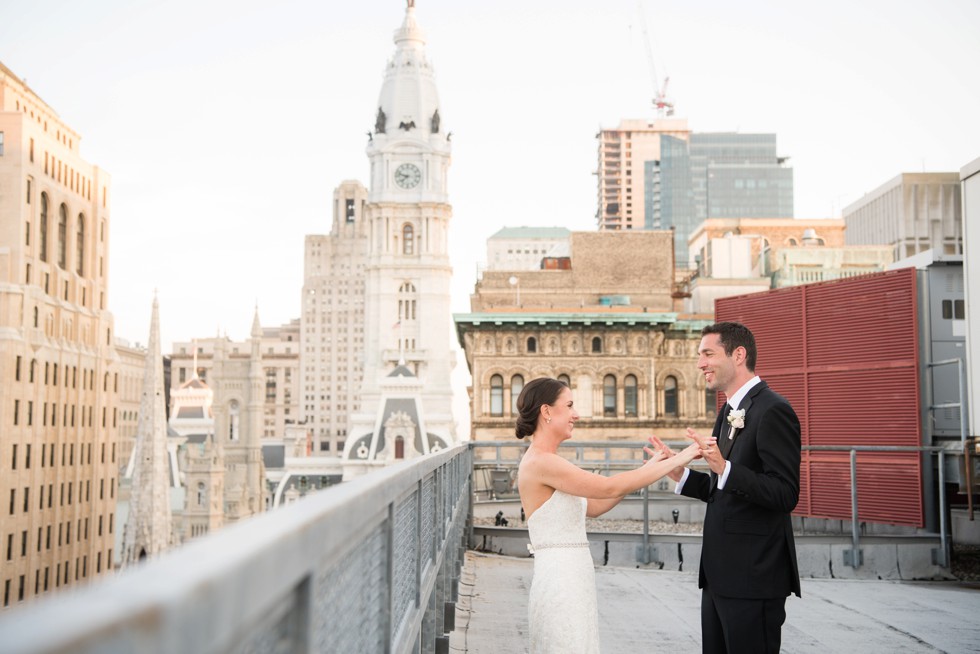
[59, 406]
[605, 325]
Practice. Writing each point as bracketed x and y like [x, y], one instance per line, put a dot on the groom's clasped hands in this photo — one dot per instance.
[706, 446]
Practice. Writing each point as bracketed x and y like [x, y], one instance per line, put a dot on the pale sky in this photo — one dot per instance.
[226, 125]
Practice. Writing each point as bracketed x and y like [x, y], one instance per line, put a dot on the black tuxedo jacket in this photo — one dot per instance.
[748, 549]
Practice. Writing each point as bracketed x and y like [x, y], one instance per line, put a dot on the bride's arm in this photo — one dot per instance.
[597, 507]
[556, 472]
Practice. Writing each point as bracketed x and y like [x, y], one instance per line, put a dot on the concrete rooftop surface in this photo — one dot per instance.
[649, 610]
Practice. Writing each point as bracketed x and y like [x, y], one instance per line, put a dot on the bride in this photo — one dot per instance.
[557, 496]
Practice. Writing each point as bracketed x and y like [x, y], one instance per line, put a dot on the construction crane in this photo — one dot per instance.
[661, 104]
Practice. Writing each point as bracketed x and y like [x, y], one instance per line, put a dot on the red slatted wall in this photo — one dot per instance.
[845, 354]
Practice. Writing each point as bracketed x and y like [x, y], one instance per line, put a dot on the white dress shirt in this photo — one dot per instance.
[733, 402]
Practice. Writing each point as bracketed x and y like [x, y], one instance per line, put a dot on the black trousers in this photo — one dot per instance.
[732, 625]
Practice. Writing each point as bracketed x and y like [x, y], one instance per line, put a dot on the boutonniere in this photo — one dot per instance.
[736, 418]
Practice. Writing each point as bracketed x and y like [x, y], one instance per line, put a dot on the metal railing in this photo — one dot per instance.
[371, 565]
[631, 455]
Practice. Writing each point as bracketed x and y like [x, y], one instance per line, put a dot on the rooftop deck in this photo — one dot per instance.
[379, 564]
[648, 610]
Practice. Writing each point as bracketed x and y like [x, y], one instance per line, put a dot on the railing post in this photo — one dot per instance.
[644, 557]
[854, 557]
[941, 556]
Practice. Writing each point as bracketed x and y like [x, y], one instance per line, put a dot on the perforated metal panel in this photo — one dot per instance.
[845, 354]
[347, 621]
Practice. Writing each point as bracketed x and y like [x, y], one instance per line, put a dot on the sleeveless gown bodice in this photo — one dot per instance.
[562, 604]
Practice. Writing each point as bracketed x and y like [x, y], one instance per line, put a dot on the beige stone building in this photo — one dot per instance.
[280, 350]
[59, 413]
[132, 362]
[605, 325]
[332, 336]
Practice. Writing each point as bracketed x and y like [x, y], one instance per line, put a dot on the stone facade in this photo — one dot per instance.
[332, 322]
[59, 412]
[606, 326]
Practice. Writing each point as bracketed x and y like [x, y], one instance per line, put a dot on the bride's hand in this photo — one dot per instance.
[655, 456]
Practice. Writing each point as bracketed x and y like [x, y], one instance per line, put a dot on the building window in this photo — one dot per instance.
[496, 395]
[62, 235]
[596, 345]
[630, 396]
[408, 239]
[532, 344]
[609, 396]
[80, 245]
[349, 211]
[43, 245]
[1, 144]
[563, 378]
[516, 386]
[670, 397]
[710, 403]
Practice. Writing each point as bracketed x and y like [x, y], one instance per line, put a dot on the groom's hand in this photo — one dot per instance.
[676, 473]
[709, 451]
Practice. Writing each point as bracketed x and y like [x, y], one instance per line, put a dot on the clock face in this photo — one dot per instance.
[408, 175]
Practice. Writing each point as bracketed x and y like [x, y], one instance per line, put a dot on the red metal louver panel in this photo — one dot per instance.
[845, 354]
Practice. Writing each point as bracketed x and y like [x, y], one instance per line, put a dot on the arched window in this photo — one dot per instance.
[200, 493]
[710, 403]
[629, 395]
[516, 386]
[565, 380]
[43, 245]
[596, 345]
[62, 236]
[80, 245]
[408, 239]
[670, 397]
[399, 447]
[609, 396]
[36, 320]
[532, 344]
[496, 395]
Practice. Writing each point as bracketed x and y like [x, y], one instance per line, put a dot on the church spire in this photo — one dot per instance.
[148, 528]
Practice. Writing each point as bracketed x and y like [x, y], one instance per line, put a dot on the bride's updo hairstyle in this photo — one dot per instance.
[537, 393]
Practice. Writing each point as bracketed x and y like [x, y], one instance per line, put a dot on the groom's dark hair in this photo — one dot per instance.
[733, 335]
[537, 393]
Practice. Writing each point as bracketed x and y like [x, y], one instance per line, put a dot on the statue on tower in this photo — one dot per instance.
[379, 122]
[435, 122]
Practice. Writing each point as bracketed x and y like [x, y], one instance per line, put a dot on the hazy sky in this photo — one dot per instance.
[226, 125]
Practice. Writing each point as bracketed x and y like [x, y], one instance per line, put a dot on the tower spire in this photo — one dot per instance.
[148, 528]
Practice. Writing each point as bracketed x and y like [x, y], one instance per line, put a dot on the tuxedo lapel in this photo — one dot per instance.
[725, 444]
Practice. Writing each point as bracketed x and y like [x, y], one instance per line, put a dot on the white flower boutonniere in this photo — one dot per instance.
[736, 418]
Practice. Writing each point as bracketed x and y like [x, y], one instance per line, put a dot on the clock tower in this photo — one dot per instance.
[408, 328]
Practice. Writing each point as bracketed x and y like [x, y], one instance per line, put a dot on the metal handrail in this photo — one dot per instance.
[372, 564]
[852, 557]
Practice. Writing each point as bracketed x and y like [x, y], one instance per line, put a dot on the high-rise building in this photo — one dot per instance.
[912, 212]
[629, 181]
[659, 175]
[59, 411]
[332, 322]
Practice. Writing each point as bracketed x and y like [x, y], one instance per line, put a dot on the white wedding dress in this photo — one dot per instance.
[562, 603]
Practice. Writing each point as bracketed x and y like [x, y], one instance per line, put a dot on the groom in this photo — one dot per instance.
[748, 558]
